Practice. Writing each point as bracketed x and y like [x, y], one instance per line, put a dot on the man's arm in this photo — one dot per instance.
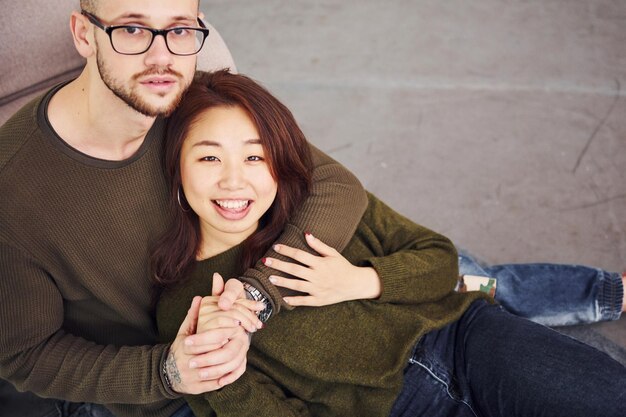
[331, 212]
[37, 355]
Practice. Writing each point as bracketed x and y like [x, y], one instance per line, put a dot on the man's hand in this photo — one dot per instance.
[185, 373]
[206, 361]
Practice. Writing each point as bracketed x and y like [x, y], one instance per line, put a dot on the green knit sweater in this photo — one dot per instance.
[76, 314]
[345, 359]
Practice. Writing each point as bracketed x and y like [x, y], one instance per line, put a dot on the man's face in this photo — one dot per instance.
[151, 83]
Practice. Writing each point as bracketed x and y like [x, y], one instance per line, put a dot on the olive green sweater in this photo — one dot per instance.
[345, 359]
[76, 315]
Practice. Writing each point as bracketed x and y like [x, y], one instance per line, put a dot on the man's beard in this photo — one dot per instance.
[131, 98]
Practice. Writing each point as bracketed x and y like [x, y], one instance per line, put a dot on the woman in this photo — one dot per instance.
[406, 344]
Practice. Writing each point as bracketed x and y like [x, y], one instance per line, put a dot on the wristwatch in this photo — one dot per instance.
[253, 294]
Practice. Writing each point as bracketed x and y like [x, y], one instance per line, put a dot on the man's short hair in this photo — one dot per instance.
[88, 5]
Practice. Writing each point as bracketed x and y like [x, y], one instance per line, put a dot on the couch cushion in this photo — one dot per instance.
[36, 47]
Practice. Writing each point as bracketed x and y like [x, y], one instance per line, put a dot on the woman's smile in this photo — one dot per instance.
[233, 209]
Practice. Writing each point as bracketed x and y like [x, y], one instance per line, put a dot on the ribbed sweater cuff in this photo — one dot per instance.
[393, 279]
[611, 296]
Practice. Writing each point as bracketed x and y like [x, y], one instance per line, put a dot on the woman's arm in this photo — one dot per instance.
[252, 395]
[413, 264]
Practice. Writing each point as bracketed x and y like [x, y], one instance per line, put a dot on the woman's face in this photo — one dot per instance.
[225, 177]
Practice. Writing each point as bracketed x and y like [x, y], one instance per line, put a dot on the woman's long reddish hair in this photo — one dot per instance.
[287, 154]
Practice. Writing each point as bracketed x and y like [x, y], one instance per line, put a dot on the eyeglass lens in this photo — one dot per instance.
[135, 40]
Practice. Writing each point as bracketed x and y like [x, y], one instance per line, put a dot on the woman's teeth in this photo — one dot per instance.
[232, 204]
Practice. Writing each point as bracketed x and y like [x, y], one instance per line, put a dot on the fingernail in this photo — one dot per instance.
[260, 306]
[277, 248]
[273, 279]
[193, 365]
[188, 342]
[260, 325]
[286, 300]
[309, 235]
[266, 261]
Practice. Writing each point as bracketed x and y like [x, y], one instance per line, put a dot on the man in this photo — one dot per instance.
[85, 198]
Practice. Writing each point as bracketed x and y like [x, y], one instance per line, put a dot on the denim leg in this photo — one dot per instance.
[552, 294]
[515, 367]
[184, 411]
[68, 409]
[492, 363]
[431, 385]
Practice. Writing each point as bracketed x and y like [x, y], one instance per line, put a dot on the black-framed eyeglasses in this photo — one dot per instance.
[135, 40]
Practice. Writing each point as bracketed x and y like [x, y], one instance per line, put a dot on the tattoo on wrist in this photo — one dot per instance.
[172, 374]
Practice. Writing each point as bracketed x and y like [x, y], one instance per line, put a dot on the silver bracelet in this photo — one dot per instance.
[166, 378]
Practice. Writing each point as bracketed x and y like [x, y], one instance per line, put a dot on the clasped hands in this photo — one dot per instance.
[210, 349]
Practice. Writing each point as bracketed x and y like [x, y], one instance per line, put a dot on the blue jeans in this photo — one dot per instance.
[552, 294]
[67, 409]
[183, 411]
[492, 363]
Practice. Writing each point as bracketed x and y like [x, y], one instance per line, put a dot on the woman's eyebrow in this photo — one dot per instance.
[217, 144]
[206, 143]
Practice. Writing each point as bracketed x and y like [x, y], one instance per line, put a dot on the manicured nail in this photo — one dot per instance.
[277, 248]
[309, 235]
[273, 279]
[193, 365]
[266, 261]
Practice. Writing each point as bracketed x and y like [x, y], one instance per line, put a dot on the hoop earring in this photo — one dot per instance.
[180, 200]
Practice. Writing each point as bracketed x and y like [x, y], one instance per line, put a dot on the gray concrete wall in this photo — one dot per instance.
[499, 123]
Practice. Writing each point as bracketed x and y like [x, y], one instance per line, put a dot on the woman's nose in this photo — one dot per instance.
[232, 177]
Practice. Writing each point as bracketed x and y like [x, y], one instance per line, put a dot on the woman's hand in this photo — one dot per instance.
[242, 312]
[327, 279]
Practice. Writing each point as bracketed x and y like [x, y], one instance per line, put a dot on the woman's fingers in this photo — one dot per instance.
[319, 246]
[237, 316]
[296, 254]
[303, 301]
[288, 267]
[217, 286]
[292, 284]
